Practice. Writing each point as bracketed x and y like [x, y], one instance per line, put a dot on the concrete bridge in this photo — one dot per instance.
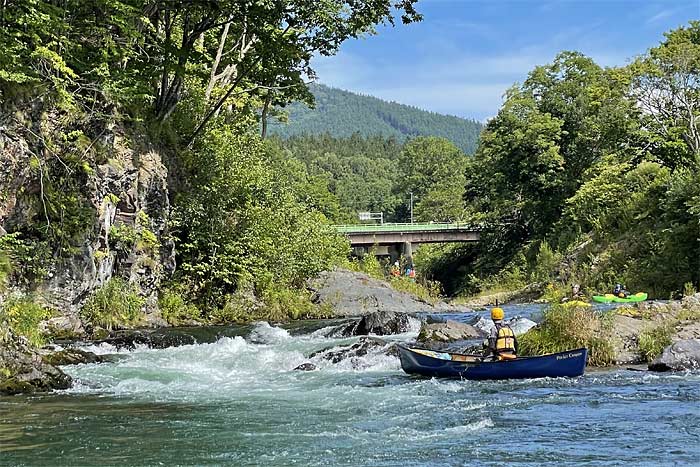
[396, 239]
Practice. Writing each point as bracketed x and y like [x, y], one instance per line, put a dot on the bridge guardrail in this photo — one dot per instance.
[404, 227]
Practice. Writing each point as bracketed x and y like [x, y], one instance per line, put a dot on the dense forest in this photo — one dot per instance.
[589, 175]
[342, 113]
[379, 174]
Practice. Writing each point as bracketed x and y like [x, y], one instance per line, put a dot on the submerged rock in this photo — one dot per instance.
[359, 349]
[308, 366]
[22, 369]
[129, 339]
[448, 331]
[71, 357]
[681, 355]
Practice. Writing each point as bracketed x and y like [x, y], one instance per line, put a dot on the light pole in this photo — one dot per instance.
[411, 207]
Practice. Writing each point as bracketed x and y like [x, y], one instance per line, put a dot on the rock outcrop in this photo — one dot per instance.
[380, 323]
[351, 293]
[449, 331]
[122, 201]
[679, 356]
[22, 369]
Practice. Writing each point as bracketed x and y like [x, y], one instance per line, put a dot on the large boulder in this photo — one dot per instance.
[22, 369]
[380, 323]
[449, 331]
[351, 293]
[681, 355]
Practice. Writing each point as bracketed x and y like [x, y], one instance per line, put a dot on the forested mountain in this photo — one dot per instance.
[342, 113]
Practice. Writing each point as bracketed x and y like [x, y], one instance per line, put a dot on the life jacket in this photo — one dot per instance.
[505, 340]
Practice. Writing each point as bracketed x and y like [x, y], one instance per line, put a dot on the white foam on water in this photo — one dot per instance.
[263, 333]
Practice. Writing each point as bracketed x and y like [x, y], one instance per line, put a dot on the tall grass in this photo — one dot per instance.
[653, 341]
[116, 304]
[23, 316]
[565, 328]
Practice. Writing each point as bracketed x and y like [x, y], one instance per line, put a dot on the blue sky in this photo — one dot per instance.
[465, 53]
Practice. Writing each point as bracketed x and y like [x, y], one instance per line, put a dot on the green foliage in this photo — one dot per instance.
[359, 172]
[342, 114]
[369, 264]
[241, 223]
[546, 263]
[25, 261]
[175, 310]
[689, 289]
[116, 304]
[433, 170]
[429, 291]
[653, 341]
[565, 328]
[23, 316]
[277, 304]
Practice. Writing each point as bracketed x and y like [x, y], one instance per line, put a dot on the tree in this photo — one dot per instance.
[433, 170]
[667, 87]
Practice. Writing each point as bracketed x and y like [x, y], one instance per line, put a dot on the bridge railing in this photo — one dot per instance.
[405, 227]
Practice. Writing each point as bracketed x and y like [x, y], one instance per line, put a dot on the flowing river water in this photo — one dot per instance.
[237, 401]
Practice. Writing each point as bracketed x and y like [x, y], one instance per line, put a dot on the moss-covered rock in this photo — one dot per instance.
[22, 369]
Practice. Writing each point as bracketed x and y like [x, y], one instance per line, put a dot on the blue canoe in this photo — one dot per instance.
[452, 365]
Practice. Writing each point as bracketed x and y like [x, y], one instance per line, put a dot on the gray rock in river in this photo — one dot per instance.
[681, 355]
[22, 369]
[380, 323]
[308, 366]
[352, 293]
[70, 357]
[449, 331]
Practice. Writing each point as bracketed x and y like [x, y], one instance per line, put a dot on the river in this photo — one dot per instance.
[236, 401]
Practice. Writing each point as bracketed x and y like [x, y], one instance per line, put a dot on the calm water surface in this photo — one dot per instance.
[236, 401]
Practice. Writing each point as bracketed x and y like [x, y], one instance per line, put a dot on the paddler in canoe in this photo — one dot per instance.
[501, 343]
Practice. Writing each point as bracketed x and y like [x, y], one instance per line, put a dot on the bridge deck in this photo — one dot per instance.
[404, 227]
[393, 234]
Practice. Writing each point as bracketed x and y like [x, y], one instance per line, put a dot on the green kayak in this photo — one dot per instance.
[608, 297]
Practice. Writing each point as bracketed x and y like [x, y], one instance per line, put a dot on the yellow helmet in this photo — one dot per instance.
[496, 313]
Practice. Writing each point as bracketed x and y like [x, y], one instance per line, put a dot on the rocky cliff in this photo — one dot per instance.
[86, 200]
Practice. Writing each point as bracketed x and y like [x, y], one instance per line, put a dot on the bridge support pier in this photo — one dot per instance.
[408, 253]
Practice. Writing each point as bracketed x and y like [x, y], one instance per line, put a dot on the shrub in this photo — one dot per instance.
[175, 310]
[116, 304]
[23, 318]
[369, 264]
[653, 341]
[565, 328]
[689, 289]
[429, 291]
[277, 304]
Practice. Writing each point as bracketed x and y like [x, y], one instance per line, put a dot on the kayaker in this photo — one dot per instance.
[501, 344]
[621, 291]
